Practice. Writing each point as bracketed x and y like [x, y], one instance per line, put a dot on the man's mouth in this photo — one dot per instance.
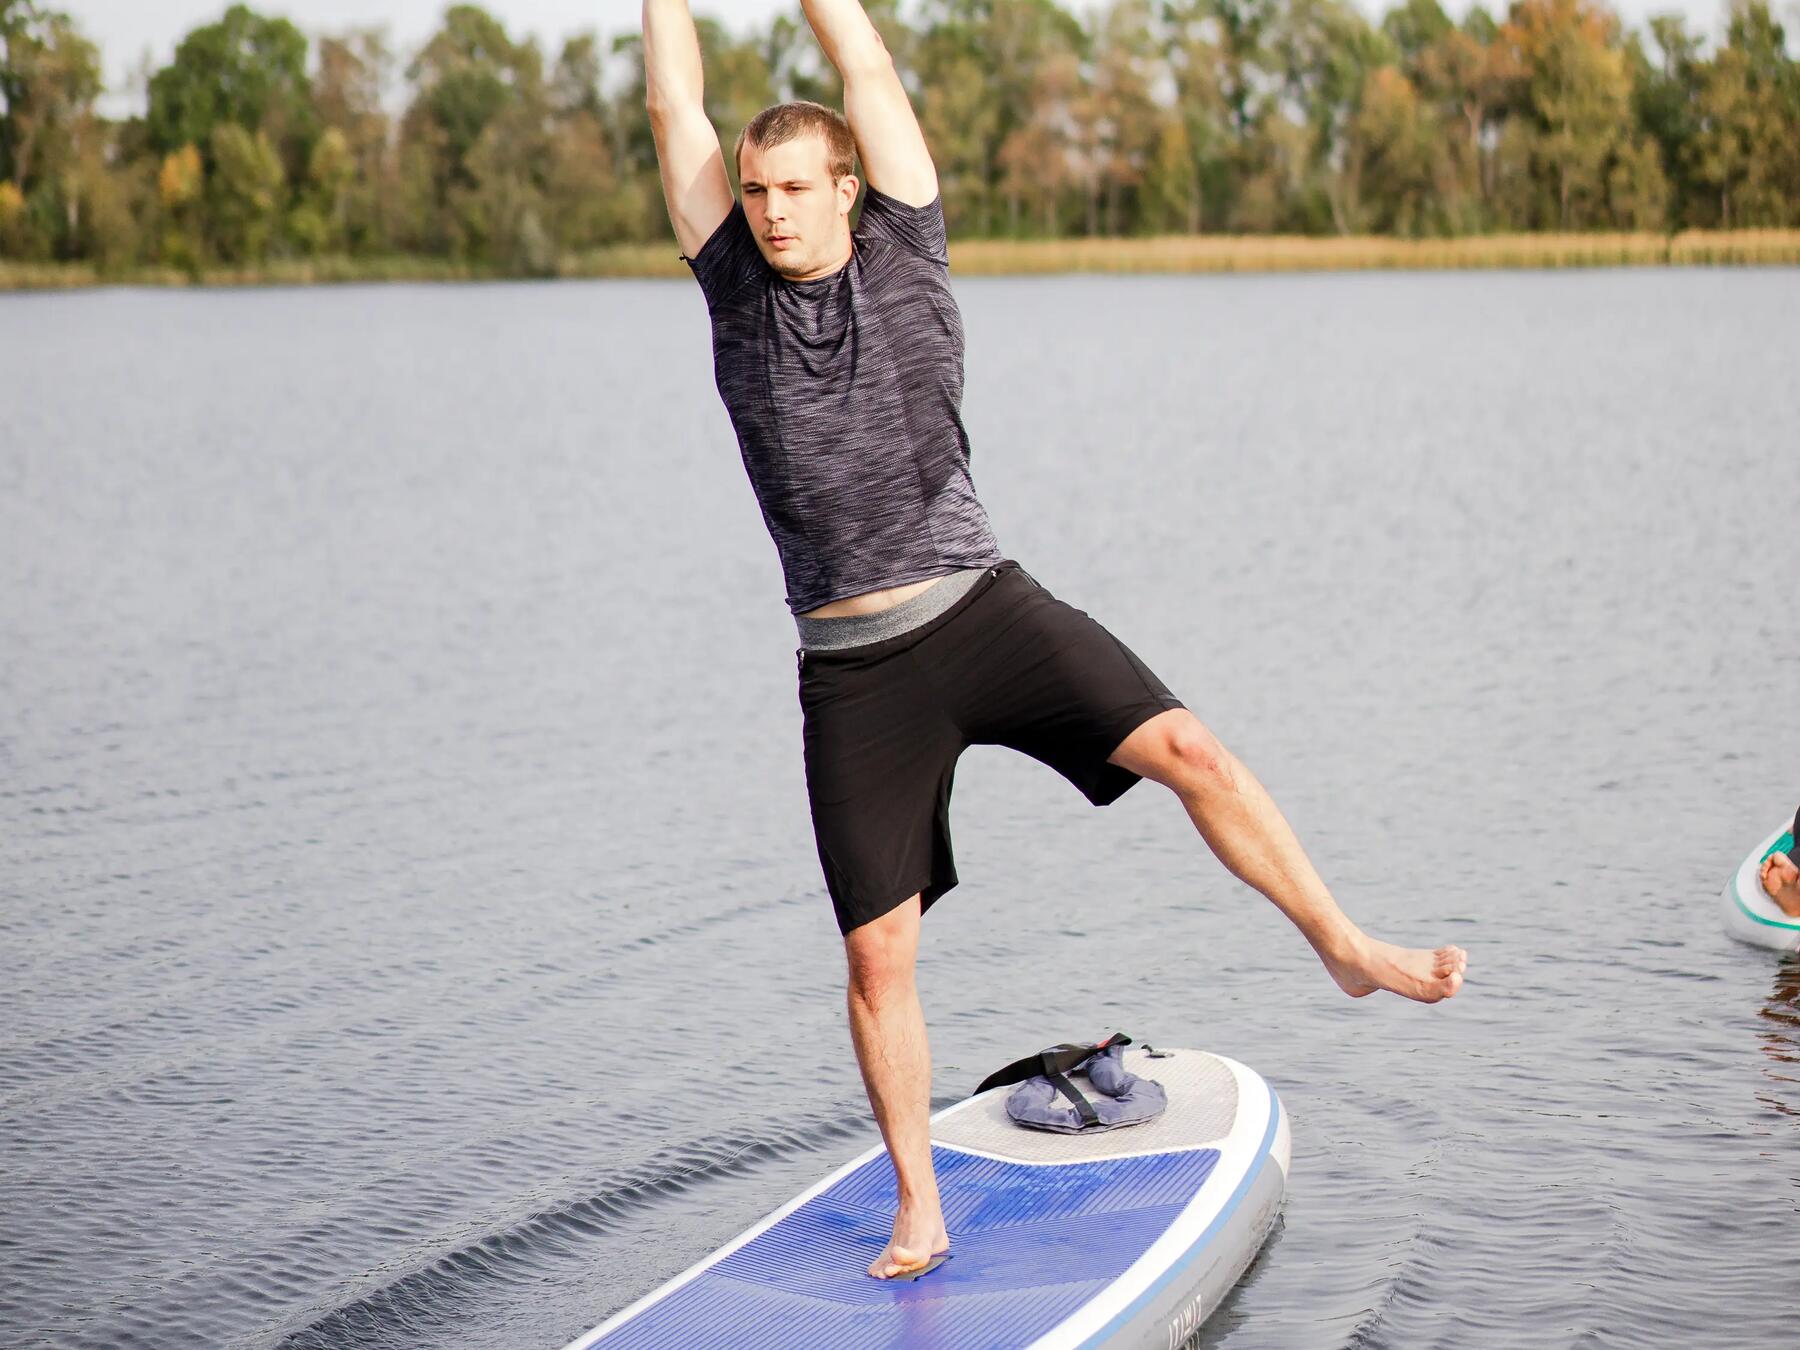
[777, 240]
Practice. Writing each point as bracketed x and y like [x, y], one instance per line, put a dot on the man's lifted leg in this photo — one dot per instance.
[1248, 833]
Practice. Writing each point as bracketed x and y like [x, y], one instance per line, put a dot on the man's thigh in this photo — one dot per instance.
[1053, 683]
[880, 762]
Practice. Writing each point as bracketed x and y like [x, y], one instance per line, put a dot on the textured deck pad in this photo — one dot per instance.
[1203, 1103]
[1031, 1244]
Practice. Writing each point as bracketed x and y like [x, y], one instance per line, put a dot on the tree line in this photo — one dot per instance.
[1172, 117]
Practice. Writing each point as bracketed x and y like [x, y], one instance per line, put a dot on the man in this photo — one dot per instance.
[838, 355]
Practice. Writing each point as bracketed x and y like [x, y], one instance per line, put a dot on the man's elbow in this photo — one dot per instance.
[665, 105]
[866, 58]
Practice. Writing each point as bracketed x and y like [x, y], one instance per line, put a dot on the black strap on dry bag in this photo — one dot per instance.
[1056, 1063]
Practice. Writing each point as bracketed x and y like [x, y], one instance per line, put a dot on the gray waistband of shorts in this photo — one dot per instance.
[858, 630]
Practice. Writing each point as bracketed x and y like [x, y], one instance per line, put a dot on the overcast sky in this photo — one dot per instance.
[126, 29]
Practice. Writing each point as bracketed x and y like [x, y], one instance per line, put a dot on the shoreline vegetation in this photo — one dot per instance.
[1171, 254]
[1113, 136]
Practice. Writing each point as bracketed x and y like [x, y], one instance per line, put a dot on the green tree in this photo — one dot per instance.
[244, 192]
[1200, 74]
[1637, 188]
[1663, 102]
[49, 79]
[1747, 113]
[959, 115]
[1322, 52]
[471, 80]
[319, 223]
[466, 74]
[586, 202]
[1172, 200]
[50, 138]
[1472, 80]
[1414, 26]
[1034, 161]
[1393, 158]
[738, 83]
[245, 69]
[1126, 66]
[180, 184]
[1577, 94]
[350, 207]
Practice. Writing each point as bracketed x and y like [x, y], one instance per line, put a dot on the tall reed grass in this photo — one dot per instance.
[1029, 257]
[1287, 253]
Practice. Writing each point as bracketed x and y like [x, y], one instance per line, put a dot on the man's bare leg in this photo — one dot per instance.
[1243, 826]
[887, 1026]
[1781, 880]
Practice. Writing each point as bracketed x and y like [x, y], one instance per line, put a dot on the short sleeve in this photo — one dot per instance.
[728, 259]
[919, 228]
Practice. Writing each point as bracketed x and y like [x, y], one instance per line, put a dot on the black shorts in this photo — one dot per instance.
[1008, 664]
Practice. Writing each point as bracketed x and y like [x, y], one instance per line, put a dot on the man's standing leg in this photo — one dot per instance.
[888, 1028]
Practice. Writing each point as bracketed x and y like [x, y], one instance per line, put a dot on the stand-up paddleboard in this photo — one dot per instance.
[1750, 915]
[1127, 1238]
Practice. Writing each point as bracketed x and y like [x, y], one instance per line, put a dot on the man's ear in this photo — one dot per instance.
[847, 187]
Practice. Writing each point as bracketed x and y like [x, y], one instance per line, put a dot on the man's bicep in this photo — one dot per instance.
[695, 185]
[894, 156]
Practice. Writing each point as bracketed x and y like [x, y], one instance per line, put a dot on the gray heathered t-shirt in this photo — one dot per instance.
[846, 395]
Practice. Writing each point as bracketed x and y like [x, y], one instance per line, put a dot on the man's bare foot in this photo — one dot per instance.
[1411, 972]
[917, 1238]
[1781, 879]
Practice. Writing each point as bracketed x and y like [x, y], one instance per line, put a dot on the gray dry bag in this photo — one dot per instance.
[1049, 1100]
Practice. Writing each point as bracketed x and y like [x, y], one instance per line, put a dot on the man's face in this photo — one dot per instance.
[799, 215]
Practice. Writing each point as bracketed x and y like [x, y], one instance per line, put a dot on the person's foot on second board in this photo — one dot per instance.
[1412, 972]
[1781, 880]
[917, 1238]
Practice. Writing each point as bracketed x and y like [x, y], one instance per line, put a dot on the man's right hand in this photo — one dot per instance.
[695, 184]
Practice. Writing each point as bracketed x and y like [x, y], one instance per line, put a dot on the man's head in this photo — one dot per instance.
[797, 165]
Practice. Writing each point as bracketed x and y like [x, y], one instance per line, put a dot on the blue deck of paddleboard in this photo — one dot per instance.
[1029, 1244]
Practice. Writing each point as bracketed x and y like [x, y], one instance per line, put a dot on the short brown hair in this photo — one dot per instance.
[789, 121]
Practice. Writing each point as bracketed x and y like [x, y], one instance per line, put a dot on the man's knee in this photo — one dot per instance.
[1188, 756]
[880, 953]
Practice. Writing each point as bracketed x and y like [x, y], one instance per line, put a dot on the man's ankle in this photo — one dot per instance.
[1345, 947]
[920, 1195]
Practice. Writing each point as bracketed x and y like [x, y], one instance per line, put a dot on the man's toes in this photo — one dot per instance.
[1778, 873]
[895, 1261]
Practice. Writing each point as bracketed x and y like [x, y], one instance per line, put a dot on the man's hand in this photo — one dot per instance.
[695, 184]
[895, 160]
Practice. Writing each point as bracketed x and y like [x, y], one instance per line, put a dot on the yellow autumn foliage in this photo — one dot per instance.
[180, 180]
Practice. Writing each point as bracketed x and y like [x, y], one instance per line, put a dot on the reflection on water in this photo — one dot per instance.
[411, 930]
[1779, 1036]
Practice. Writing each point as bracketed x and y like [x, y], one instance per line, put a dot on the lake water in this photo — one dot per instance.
[410, 931]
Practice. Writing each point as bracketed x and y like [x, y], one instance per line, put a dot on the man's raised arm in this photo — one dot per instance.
[894, 157]
[694, 181]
